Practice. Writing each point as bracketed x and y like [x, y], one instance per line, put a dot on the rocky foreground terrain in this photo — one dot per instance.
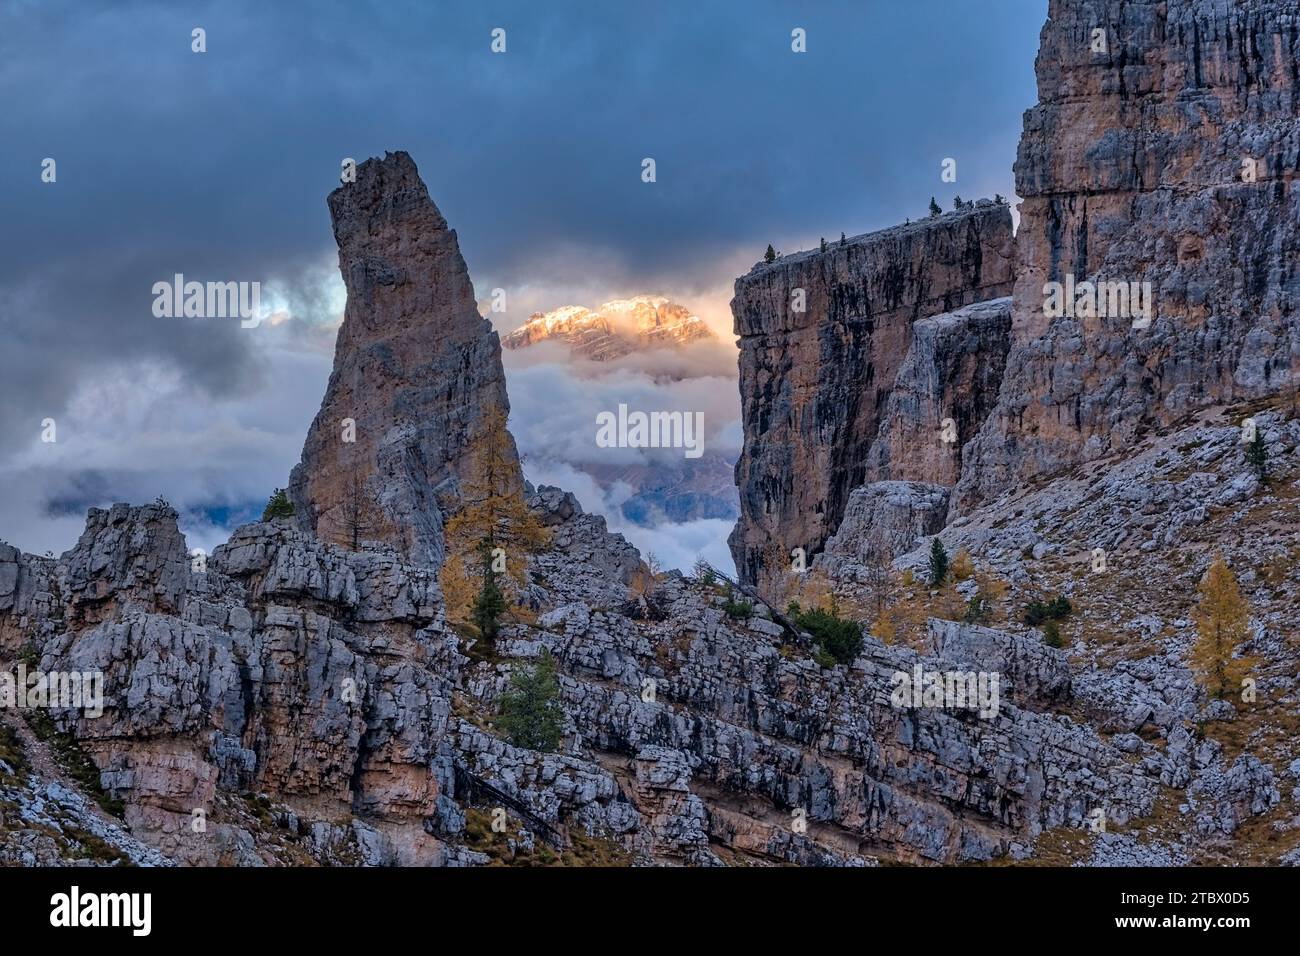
[301, 697]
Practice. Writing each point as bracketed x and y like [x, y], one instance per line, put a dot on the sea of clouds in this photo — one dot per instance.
[554, 403]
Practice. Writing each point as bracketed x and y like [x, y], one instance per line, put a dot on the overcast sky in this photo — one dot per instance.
[216, 165]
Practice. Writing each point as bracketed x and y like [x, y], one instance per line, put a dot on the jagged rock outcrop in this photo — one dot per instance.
[883, 520]
[417, 371]
[582, 552]
[323, 678]
[27, 586]
[280, 666]
[127, 557]
[739, 741]
[48, 823]
[563, 792]
[1030, 672]
[1227, 797]
[1163, 151]
[284, 666]
[945, 389]
[814, 383]
[1128, 539]
[314, 689]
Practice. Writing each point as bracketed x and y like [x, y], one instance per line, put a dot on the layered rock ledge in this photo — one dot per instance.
[815, 383]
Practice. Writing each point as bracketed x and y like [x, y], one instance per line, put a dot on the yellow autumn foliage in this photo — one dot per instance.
[1223, 625]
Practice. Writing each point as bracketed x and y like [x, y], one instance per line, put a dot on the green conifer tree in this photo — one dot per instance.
[1257, 457]
[531, 715]
[938, 563]
[278, 506]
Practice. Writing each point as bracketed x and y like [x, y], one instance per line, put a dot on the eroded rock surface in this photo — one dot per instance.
[1169, 159]
[883, 520]
[945, 389]
[814, 383]
[417, 371]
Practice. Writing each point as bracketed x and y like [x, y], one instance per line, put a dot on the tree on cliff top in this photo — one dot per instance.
[935, 211]
[770, 255]
[278, 506]
[1223, 623]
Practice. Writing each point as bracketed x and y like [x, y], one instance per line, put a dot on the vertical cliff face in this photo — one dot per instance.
[416, 368]
[1163, 149]
[945, 389]
[814, 384]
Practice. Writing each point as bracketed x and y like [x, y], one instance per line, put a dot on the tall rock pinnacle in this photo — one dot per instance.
[416, 372]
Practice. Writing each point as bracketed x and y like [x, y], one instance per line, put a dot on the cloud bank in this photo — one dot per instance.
[555, 401]
[676, 545]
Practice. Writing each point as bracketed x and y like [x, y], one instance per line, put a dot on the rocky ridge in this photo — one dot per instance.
[314, 704]
[324, 684]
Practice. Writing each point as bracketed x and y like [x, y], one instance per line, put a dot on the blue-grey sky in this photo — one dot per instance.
[216, 165]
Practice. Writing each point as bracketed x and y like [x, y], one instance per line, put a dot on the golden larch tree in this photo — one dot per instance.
[963, 566]
[1223, 625]
[492, 515]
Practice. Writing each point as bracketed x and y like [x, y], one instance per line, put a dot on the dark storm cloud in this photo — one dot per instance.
[236, 148]
[217, 165]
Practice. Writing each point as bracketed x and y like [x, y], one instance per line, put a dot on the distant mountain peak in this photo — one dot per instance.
[613, 329]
